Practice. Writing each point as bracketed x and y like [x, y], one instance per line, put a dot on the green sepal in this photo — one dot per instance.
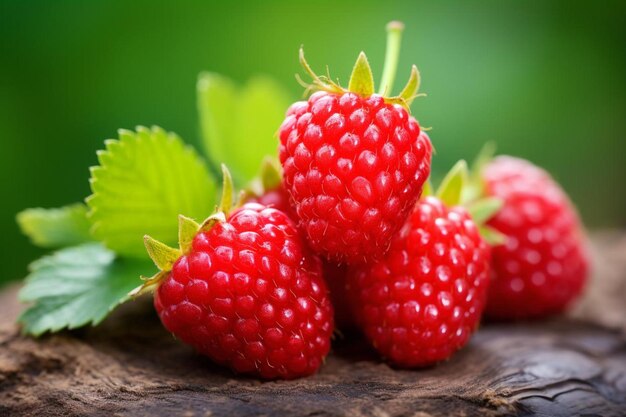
[212, 220]
[451, 188]
[270, 174]
[318, 82]
[484, 209]
[362, 79]
[187, 230]
[452, 192]
[149, 284]
[409, 92]
[268, 178]
[226, 202]
[162, 255]
[491, 235]
[486, 154]
[476, 187]
[427, 189]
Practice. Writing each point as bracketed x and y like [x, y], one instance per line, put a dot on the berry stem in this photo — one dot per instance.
[392, 54]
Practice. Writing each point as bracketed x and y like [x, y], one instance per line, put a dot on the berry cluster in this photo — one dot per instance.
[353, 223]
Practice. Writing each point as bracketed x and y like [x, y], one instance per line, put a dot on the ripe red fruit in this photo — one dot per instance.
[277, 198]
[422, 301]
[544, 263]
[354, 167]
[334, 274]
[245, 291]
[354, 162]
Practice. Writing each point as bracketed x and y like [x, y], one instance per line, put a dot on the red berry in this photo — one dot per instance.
[422, 301]
[250, 295]
[544, 264]
[278, 199]
[354, 167]
[334, 274]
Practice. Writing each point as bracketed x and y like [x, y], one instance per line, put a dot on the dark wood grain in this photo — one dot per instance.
[567, 366]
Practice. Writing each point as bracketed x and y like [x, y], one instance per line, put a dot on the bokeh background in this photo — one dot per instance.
[546, 80]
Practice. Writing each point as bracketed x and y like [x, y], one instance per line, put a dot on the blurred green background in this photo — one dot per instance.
[545, 80]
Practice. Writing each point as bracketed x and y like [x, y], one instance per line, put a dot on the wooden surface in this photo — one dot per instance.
[567, 366]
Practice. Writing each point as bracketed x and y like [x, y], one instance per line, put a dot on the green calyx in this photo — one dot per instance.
[475, 188]
[165, 256]
[362, 79]
[454, 190]
[268, 178]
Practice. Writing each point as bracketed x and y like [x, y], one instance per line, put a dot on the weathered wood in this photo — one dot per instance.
[567, 366]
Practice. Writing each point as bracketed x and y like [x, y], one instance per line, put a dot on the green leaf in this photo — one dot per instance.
[77, 286]
[409, 92]
[145, 180]
[484, 209]
[239, 125]
[55, 227]
[452, 185]
[361, 79]
[492, 236]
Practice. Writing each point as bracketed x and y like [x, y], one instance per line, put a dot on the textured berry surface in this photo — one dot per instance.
[354, 168]
[278, 199]
[422, 302]
[250, 296]
[334, 274]
[543, 265]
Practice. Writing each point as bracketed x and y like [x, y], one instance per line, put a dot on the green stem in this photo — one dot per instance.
[394, 36]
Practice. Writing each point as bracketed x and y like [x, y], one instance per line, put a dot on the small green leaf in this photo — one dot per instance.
[409, 92]
[475, 188]
[485, 155]
[187, 230]
[226, 203]
[492, 236]
[77, 286]
[484, 209]
[452, 185]
[270, 174]
[162, 255]
[55, 227]
[239, 125]
[212, 220]
[144, 181]
[149, 284]
[361, 79]
[427, 190]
